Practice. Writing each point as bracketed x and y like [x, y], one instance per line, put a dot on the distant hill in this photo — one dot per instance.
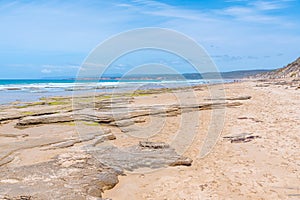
[189, 76]
[194, 76]
[234, 74]
[292, 70]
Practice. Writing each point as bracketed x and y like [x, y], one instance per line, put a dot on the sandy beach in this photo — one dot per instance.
[150, 100]
[44, 154]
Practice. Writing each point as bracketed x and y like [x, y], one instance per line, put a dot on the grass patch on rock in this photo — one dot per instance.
[81, 123]
[31, 104]
[28, 113]
[55, 103]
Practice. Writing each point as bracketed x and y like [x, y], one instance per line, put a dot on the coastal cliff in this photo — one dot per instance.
[292, 70]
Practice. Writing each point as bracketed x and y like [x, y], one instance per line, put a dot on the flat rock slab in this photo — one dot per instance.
[121, 116]
[74, 175]
[45, 119]
[144, 155]
[84, 174]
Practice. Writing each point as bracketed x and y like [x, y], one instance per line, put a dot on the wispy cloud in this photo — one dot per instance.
[257, 11]
[59, 69]
[269, 5]
[249, 11]
[46, 71]
[61, 66]
[157, 8]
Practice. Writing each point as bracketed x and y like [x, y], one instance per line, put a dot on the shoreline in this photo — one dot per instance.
[13, 92]
[254, 156]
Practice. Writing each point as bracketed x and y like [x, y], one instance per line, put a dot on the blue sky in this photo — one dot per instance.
[52, 38]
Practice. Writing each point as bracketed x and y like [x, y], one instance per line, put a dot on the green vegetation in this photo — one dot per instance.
[59, 98]
[31, 104]
[69, 123]
[149, 92]
[28, 113]
[23, 106]
[103, 97]
[139, 94]
[56, 100]
[82, 122]
[55, 103]
[90, 123]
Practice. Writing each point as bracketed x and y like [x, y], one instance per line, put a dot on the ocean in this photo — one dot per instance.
[33, 90]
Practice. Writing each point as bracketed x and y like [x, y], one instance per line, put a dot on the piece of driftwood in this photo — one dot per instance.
[241, 138]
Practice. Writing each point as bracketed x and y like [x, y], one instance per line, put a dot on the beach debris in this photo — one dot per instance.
[230, 98]
[183, 161]
[12, 135]
[140, 120]
[251, 118]
[239, 98]
[154, 145]
[16, 198]
[241, 138]
[262, 85]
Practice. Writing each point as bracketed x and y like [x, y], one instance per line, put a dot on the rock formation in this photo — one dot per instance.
[292, 70]
[86, 164]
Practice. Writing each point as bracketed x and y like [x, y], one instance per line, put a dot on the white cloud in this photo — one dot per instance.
[46, 71]
[124, 5]
[257, 11]
[269, 5]
[246, 10]
[59, 67]
[155, 8]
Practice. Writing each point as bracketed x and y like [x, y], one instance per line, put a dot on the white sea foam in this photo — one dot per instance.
[34, 91]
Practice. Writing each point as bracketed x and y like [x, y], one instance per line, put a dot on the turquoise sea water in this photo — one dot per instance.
[32, 90]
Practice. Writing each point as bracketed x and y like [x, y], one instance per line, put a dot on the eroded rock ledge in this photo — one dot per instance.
[84, 174]
[117, 115]
[94, 165]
